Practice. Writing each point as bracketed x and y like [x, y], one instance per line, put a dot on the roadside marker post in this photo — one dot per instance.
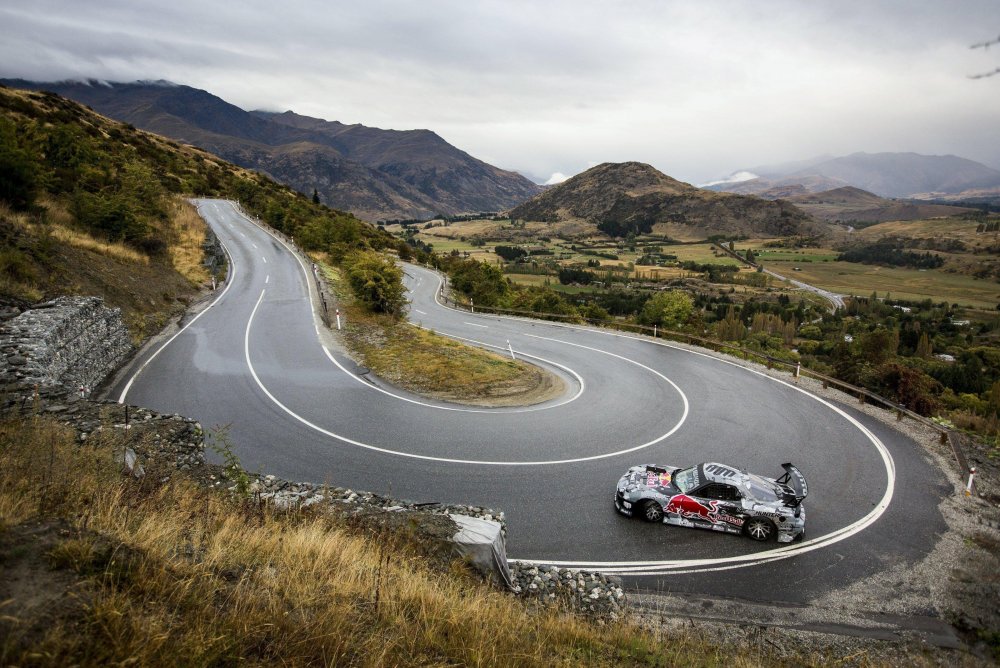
[511, 351]
[972, 481]
[338, 318]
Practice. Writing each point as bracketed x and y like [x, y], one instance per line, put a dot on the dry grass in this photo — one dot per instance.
[116, 251]
[60, 225]
[186, 253]
[174, 573]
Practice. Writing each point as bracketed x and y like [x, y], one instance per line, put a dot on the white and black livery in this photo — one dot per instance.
[717, 497]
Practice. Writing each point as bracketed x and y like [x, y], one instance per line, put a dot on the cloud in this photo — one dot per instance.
[735, 177]
[695, 89]
[557, 177]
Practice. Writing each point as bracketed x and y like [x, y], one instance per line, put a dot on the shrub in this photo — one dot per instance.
[376, 281]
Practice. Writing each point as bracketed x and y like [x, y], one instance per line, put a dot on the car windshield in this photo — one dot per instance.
[760, 489]
[687, 479]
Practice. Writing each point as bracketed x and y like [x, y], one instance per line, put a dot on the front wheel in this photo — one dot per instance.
[652, 511]
[760, 529]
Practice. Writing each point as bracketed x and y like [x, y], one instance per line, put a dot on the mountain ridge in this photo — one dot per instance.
[900, 174]
[633, 197]
[372, 172]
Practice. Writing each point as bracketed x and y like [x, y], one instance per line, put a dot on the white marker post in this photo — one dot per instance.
[511, 351]
[338, 318]
[972, 478]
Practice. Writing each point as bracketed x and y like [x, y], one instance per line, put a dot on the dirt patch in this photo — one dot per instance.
[37, 593]
[533, 385]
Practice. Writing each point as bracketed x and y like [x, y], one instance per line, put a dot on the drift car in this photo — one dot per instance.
[718, 497]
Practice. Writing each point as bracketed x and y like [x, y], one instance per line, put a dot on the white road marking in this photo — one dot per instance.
[448, 460]
[229, 283]
[416, 310]
[264, 259]
[267, 279]
[254, 245]
[472, 324]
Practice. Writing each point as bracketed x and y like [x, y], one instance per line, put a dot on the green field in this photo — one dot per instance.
[536, 280]
[914, 284]
[795, 256]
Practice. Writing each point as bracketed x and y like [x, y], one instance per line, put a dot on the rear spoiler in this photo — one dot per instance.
[794, 479]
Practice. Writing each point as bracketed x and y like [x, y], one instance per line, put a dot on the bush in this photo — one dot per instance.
[484, 283]
[377, 282]
[18, 172]
[669, 309]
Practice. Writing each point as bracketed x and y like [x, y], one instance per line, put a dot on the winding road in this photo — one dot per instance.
[258, 359]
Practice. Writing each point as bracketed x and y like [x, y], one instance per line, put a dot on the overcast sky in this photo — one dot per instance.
[697, 89]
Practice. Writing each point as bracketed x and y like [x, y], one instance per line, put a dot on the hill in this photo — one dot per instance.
[374, 173]
[885, 174]
[619, 198]
[93, 206]
[853, 205]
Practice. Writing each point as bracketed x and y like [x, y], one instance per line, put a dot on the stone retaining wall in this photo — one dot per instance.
[72, 342]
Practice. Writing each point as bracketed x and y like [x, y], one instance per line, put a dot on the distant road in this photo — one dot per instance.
[835, 299]
[259, 361]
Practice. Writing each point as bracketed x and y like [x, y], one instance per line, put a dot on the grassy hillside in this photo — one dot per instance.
[92, 206]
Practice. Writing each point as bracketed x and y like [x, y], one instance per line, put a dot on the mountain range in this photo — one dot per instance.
[886, 174]
[853, 205]
[374, 173]
[633, 197]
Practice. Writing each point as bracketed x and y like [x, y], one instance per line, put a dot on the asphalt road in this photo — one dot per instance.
[255, 360]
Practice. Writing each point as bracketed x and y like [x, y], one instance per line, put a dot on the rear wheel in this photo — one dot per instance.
[652, 511]
[760, 529]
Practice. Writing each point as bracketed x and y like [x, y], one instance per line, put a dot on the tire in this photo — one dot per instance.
[760, 529]
[651, 511]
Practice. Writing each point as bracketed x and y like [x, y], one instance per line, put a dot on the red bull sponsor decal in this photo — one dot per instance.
[691, 508]
[657, 479]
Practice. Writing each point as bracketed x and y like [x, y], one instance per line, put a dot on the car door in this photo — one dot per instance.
[723, 506]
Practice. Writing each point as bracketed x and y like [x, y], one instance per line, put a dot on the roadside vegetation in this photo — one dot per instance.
[421, 361]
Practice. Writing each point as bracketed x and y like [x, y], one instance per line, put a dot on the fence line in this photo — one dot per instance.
[946, 435]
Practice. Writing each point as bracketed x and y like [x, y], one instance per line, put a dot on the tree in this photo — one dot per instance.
[924, 346]
[668, 309]
[315, 196]
[730, 328]
[18, 171]
[879, 346]
[376, 281]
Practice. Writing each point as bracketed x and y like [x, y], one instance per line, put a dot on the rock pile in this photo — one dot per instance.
[70, 341]
[285, 494]
[593, 593]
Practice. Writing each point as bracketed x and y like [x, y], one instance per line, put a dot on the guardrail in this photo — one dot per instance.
[946, 435]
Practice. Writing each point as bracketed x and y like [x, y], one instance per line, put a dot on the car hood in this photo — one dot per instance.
[659, 478]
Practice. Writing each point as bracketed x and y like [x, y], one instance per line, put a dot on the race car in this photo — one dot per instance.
[717, 497]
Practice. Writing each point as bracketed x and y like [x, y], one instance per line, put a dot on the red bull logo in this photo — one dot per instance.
[691, 508]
